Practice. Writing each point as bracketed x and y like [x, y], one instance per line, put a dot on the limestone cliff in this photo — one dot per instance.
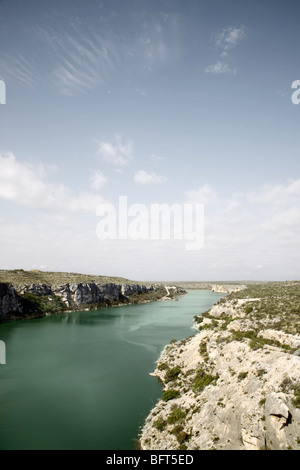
[226, 288]
[10, 302]
[38, 299]
[236, 383]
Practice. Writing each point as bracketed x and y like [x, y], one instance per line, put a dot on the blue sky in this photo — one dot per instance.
[164, 102]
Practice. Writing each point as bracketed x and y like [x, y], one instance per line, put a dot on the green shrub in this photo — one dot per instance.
[180, 434]
[202, 379]
[42, 304]
[176, 415]
[248, 309]
[198, 319]
[170, 394]
[172, 374]
[159, 424]
[202, 348]
[242, 375]
[162, 366]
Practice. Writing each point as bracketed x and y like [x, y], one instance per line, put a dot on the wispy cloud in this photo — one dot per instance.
[155, 157]
[277, 195]
[230, 37]
[25, 184]
[155, 40]
[118, 153]
[144, 177]
[259, 227]
[76, 55]
[226, 41]
[220, 68]
[19, 69]
[98, 180]
[203, 195]
[80, 61]
[153, 44]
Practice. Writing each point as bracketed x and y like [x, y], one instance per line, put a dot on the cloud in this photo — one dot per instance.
[74, 60]
[156, 157]
[81, 62]
[155, 41]
[20, 69]
[27, 185]
[247, 235]
[277, 194]
[230, 37]
[118, 153]
[227, 40]
[154, 47]
[82, 59]
[97, 180]
[220, 68]
[203, 195]
[252, 228]
[144, 177]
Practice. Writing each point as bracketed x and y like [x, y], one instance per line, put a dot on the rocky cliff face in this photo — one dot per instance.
[226, 288]
[82, 294]
[41, 299]
[234, 385]
[10, 302]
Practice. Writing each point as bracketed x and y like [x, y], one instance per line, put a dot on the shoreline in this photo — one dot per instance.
[235, 384]
[39, 300]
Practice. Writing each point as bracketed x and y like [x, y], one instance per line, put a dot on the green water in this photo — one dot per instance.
[81, 380]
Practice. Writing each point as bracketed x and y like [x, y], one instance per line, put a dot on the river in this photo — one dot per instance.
[81, 380]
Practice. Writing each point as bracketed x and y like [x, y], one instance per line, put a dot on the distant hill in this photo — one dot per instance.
[207, 285]
[21, 277]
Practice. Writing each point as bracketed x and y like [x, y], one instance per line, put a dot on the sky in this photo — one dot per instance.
[162, 102]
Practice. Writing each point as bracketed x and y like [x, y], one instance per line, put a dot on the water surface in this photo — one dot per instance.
[81, 380]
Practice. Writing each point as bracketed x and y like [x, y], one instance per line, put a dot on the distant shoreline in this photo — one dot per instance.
[35, 294]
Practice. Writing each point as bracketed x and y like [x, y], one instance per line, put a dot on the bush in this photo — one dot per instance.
[170, 394]
[176, 415]
[202, 380]
[42, 304]
[242, 375]
[172, 374]
[159, 424]
[180, 434]
[162, 366]
[248, 309]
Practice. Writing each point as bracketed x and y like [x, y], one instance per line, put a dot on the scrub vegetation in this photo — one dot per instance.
[238, 372]
[20, 277]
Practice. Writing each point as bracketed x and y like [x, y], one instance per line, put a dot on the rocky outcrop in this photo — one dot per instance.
[81, 294]
[40, 299]
[235, 385]
[10, 302]
[40, 289]
[226, 288]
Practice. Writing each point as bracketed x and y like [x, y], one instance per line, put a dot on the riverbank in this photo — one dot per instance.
[235, 384]
[85, 374]
[33, 294]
